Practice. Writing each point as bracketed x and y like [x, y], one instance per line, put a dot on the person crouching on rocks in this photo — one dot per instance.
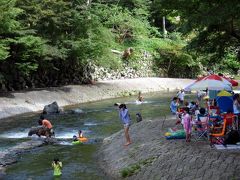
[46, 124]
[125, 118]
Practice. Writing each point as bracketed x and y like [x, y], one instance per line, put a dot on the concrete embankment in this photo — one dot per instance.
[151, 156]
[30, 101]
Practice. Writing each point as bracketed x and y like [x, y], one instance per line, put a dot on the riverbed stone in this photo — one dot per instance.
[51, 108]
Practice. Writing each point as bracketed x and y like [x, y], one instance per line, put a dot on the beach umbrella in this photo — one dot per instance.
[233, 82]
[210, 82]
[188, 87]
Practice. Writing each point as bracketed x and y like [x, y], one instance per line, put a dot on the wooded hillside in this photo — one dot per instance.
[50, 42]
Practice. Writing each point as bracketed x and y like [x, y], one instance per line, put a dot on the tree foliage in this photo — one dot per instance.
[49, 42]
[211, 26]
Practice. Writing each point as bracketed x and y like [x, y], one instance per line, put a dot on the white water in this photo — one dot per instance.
[59, 135]
[65, 135]
[139, 102]
[70, 134]
[15, 135]
[90, 124]
[66, 143]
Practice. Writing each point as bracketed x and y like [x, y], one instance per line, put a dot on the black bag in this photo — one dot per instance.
[138, 117]
[232, 137]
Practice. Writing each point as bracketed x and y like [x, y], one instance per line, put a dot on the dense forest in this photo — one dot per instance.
[50, 42]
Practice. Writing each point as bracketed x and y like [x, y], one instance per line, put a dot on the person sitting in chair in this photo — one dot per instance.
[201, 117]
[174, 105]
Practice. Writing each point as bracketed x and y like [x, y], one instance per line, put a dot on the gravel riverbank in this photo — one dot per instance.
[34, 100]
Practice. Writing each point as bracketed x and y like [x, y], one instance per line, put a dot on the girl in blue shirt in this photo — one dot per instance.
[125, 118]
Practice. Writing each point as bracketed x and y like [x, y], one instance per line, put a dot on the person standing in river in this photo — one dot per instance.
[140, 97]
[125, 118]
[57, 167]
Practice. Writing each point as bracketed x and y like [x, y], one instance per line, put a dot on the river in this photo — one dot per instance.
[98, 120]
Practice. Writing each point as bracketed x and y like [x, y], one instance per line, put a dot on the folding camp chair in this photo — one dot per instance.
[214, 110]
[218, 132]
[201, 128]
[230, 118]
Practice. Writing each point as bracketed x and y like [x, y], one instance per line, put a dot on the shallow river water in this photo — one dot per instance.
[98, 120]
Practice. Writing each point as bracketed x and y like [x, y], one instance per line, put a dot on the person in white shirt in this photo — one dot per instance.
[181, 95]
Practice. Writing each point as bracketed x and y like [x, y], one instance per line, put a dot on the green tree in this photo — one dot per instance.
[212, 26]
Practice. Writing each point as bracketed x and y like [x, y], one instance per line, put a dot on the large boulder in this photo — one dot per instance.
[39, 131]
[51, 108]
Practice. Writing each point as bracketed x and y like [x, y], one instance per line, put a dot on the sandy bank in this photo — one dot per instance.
[30, 101]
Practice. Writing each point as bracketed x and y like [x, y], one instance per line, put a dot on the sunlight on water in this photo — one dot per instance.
[15, 135]
[91, 124]
[65, 143]
[66, 135]
[139, 102]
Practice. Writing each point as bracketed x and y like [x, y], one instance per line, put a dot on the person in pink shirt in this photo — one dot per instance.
[187, 124]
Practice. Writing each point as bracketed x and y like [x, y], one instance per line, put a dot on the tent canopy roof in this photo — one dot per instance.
[224, 93]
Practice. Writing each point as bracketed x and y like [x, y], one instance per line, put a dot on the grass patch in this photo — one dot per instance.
[134, 168]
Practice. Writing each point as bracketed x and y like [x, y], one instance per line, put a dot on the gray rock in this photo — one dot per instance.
[77, 111]
[51, 108]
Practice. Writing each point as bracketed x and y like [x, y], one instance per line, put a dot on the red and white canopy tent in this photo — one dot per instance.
[233, 82]
[210, 82]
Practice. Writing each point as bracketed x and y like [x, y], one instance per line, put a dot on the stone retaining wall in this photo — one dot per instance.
[97, 73]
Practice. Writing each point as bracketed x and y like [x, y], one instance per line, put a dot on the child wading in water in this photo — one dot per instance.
[57, 167]
[80, 134]
[187, 124]
[140, 97]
